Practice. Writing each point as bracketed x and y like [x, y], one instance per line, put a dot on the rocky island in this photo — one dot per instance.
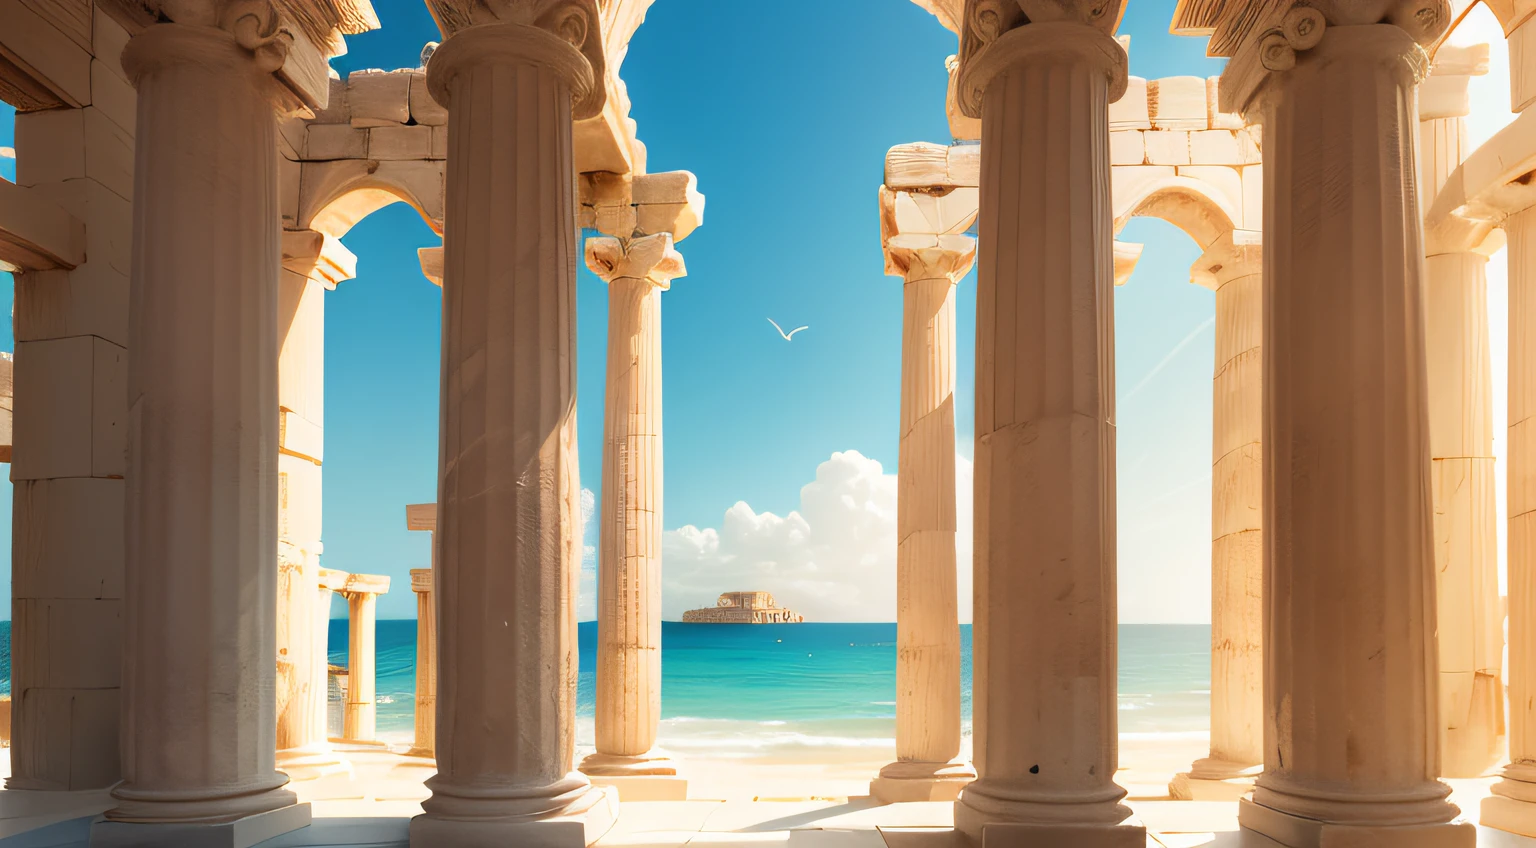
[743, 608]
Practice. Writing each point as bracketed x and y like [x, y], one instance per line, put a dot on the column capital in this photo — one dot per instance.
[918, 257]
[319, 257]
[998, 34]
[365, 584]
[431, 259]
[421, 580]
[270, 36]
[1238, 253]
[650, 258]
[1262, 44]
[564, 36]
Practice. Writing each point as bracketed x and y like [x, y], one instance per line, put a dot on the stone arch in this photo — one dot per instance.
[335, 195]
[1200, 208]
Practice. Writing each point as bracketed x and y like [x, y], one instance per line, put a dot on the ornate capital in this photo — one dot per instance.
[996, 34]
[1238, 253]
[563, 35]
[244, 34]
[292, 39]
[650, 258]
[1269, 42]
[927, 257]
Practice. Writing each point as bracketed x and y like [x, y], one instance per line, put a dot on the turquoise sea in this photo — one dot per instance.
[756, 689]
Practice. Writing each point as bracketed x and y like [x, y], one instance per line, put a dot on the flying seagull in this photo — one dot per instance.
[787, 336]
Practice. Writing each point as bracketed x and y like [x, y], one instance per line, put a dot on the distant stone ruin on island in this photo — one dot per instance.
[743, 608]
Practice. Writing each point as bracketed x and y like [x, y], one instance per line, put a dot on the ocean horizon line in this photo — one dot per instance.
[717, 624]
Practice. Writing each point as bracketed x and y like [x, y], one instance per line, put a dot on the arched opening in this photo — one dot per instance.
[377, 338]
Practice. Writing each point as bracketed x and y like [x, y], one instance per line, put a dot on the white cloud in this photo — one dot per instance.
[833, 559]
[586, 595]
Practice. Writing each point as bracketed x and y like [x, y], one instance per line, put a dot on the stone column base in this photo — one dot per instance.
[1297, 832]
[1508, 814]
[652, 762]
[645, 787]
[1211, 779]
[240, 833]
[1186, 787]
[915, 781]
[1126, 834]
[312, 762]
[575, 831]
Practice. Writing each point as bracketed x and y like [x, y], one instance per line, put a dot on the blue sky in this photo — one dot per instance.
[784, 111]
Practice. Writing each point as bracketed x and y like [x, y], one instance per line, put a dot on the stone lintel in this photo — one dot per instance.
[318, 256]
[632, 206]
[1493, 183]
[1238, 253]
[1127, 255]
[36, 234]
[366, 584]
[421, 516]
[332, 580]
[431, 259]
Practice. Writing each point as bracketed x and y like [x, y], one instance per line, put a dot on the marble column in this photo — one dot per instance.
[1512, 806]
[1470, 619]
[426, 664]
[637, 271]
[1233, 267]
[312, 264]
[358, 723]
[199, 725]
[509, 514]
[1044, 713]
[928, 765]
[1350, 685]
[331, 582]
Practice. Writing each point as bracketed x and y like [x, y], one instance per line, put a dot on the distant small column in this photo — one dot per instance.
[362, 593]
[426, 664]
[637, 271]
[928, 766]
[1233, 267]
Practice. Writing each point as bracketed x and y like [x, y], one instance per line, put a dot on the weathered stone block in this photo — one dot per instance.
[109, 409]
[1130, 112]
[400, 142]
[69, 538]
[1177, 103]
[108, 39]
[53, 427]
[440, 142]
[1214, 147]
[113, 96]
[335, 141]
[1167, 148]
[378, 99]
[64, 739]
[1126, 147]
[424, 109]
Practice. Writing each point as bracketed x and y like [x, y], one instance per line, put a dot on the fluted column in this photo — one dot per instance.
[312, 263]
[509, 512]
[637, 271]
[1351, 749]
[1512, 806]
[1044, 713]
[1461, 444]
[1233, 266]
[199, 724]
[928, 765]
[359, 719]
[426, 664]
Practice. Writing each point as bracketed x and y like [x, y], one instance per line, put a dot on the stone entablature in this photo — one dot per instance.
[743, 608]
